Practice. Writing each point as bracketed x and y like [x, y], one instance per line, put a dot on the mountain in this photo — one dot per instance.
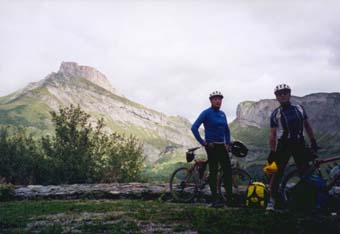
[323, 109]
[89, 88]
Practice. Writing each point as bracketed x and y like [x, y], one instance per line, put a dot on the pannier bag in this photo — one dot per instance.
[257, 195]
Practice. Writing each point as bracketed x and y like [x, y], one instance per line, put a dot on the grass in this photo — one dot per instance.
[131, 216]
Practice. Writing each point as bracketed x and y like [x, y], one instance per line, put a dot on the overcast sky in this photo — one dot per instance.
[169, 55]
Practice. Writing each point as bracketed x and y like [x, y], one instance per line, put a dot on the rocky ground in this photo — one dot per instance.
[144, 191]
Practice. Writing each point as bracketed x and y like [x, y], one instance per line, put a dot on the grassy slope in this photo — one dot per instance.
[126, 216]
[28, 111]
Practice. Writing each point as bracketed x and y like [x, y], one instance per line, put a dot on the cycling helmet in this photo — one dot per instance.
[238, 149]
[281, 87]
[271, 168]
[216, 94]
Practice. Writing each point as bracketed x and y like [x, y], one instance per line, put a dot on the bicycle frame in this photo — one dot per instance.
[188, 182]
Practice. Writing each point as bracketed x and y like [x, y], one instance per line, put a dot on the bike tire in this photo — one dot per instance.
[183, 184]
[240, 179]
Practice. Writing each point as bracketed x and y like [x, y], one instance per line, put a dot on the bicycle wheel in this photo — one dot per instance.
[183, 184]
[288, 183]
[240, 180]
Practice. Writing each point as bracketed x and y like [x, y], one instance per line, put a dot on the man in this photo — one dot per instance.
[286, 138]
[216, 143]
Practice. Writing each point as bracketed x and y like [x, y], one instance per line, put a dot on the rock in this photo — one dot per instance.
[72, 69]
[93, 191]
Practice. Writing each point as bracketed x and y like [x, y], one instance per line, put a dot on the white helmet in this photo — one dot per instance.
[281, 87]
[216, 94]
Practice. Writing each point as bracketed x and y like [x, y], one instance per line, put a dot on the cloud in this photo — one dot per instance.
[169, 55]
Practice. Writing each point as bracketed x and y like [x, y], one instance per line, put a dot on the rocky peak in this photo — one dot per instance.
[72, 69]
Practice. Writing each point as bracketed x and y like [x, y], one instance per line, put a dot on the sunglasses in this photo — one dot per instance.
[282, 92]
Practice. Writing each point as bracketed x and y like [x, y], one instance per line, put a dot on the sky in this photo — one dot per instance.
[170, 54]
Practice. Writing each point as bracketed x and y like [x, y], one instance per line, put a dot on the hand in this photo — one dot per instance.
[314, 145]
[227, 147]
[271, 156]
[208, 145]
[211, 145]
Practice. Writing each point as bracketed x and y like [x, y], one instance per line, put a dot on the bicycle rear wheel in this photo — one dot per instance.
[183, 184]
[240, 180]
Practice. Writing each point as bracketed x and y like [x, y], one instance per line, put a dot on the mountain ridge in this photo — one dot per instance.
[31, 105]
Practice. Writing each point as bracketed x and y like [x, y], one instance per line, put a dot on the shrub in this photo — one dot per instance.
[6, 190]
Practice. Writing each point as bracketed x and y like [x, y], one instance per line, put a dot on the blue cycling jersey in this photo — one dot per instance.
[215, 127]
[288, 120]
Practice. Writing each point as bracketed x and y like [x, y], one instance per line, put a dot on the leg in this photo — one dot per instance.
[224, 161]
[213, 168]
[301, 157]
[281, 158]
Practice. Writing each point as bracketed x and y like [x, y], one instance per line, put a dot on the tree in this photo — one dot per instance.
[76, 153]
[81, 153]
[21, 162]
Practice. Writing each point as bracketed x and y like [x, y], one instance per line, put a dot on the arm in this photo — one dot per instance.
[227, 133]
[310, 133]
[307, 125]
[227, 136]
[272, 144]
[196, 126]
[273, 126]
[272, 136]
[309, 130]
[272, 139]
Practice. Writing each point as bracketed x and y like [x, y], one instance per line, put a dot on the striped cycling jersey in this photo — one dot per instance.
[288, 120]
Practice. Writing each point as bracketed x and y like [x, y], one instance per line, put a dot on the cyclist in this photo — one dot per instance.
[216, 143]
[286, 138]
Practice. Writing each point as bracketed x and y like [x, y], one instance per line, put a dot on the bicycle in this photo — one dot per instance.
[295, 176]
[187, 183]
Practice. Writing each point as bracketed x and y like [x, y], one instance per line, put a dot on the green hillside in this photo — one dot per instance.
[27, 111]
[30, 108]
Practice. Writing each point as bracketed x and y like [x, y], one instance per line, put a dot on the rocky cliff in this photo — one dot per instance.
[87, 87]
[323, 109]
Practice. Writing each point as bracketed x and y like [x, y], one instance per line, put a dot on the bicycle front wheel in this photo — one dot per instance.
[240, 181]
[183, 184]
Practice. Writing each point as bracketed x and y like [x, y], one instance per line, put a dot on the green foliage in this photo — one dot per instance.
[82, 153]
[19, 156]
[6, 190]
[76, 153]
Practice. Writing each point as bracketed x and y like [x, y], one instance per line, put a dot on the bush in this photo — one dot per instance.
[76, 153]
[6, 190]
